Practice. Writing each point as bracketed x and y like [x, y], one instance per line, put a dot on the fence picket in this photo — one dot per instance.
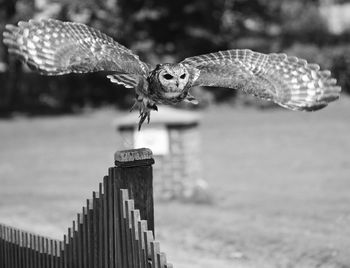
[95, 218]
[135, 217]
[101, 226]
[142, 227]
[88, 233]
[123, 196]
[117, 225]
[155, 250]
[110, 213]
[84, 234]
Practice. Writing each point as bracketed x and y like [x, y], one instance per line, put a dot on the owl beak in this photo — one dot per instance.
[177, 83]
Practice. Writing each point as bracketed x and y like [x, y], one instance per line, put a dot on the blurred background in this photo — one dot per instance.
[278, 180]
[168, 31]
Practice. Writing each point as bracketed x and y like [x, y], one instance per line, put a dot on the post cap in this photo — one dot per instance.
[134, 157]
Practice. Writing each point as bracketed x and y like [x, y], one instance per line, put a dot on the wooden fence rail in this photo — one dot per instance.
[115, 229]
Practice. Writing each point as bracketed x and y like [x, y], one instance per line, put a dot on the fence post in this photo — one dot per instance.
[134, 172]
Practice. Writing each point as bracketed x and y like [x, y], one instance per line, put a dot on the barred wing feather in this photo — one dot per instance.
[126, 80]
[54, 47]
[289, 81]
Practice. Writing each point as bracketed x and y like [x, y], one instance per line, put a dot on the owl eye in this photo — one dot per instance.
[168, 76]
[182, 76]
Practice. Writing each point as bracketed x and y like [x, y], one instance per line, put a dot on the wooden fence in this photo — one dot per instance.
[115, 228]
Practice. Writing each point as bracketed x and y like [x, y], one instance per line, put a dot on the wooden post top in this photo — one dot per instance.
[134, 172]
[134, 157]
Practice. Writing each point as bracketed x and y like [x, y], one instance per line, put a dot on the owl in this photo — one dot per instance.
[53, 47]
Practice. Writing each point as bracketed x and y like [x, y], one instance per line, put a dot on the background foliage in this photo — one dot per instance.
[161, 31]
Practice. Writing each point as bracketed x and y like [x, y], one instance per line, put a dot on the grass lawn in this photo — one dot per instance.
[280, 182]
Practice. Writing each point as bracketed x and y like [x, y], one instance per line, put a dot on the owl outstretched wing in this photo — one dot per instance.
[289, 81]
[54, 47]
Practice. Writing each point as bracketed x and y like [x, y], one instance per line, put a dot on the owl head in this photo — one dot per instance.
[173, 79]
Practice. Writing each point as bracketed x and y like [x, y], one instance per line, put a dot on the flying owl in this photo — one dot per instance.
[54, 47]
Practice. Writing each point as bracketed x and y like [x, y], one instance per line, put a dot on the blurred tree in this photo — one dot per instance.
[9, 76]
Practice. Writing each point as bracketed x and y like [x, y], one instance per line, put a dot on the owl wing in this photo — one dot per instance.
[289, 81]
[54, 47]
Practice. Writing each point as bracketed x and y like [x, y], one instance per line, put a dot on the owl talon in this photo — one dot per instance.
[143, 116]
[153, 107]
